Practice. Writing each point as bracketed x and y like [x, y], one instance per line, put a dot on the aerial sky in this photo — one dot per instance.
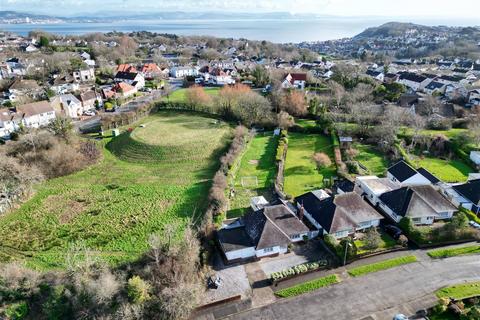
[385, 8]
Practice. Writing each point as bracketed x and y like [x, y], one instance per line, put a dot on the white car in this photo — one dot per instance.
[474, 224]
[89, 113]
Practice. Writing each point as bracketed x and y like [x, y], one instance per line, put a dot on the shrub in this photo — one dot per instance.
[372, 239]
[17, 311]
[299, 269]
[322, 160]
[138, 290]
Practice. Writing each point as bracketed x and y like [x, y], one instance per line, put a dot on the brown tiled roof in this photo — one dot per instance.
[21, 84]
[34, 108]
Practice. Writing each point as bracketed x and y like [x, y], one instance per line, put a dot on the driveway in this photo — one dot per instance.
[388, 291]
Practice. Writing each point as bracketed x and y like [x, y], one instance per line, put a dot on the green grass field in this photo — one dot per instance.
[382, 265]
[257, 161]
[461, 291]
[459, 251]
[159, 174]
[179, 95]
[301, 173]
[446, 170]
[308, 286]
[375, 162]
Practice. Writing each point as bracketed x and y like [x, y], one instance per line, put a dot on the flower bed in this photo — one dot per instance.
[297, 270]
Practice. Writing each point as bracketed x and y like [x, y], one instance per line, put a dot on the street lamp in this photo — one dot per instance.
[347, 244]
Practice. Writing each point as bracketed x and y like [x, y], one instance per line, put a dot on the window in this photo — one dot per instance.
[417, 220]
[295, 236]
[268, 250]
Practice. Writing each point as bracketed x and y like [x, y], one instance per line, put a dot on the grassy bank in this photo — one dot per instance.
[383, 265]
[446, 253]
[308, 286]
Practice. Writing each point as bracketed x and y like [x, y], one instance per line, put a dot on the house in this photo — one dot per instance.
[132, 78]
[64, 83]
[455, 91]
[90, 100]
[340, 216]
[390, 78]
[21, 87]
[182, 72]
[377, 75]
[30, 48]
[402, 173]
[9, 123]
[343, 186]
[295, 81]
[126, 68]
[423, 204]
[474, 97]
[262, 233]
[435, 87]
[219, 77]
[475, 157]
[36, 114]
[67, 105]
[84, 75]
[371, 187]
[124, 90]
[413, 81]
[150, 71]
[466, 195]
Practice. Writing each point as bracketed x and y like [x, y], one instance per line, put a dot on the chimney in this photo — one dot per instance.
[300, 213]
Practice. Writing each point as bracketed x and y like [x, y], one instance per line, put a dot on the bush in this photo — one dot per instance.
[299, 269]
[322, 160]
[138, 290]
[372, 239]
[17, 311]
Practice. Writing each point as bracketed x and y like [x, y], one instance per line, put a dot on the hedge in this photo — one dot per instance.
[299, 269]
[308, 286]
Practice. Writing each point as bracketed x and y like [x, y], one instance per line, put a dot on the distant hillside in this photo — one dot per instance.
[12, 15]
[391, 29]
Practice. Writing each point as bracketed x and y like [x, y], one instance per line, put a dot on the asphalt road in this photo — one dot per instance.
[356, 298]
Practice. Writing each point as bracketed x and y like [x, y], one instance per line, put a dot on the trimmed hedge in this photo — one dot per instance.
[308, 286]
[382, 265]
[299, 269]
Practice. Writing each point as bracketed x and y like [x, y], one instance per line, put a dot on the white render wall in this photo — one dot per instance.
[241, 254]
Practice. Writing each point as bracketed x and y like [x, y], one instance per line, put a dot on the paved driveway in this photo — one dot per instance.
[356, 298]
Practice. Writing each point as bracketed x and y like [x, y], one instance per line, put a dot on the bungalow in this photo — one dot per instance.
[340, 215]
[455, 91]
[37, 114]
[132, 78]
[435, 87]
[423, 204]
[261, 233]
[413, 81]
[403, 174]
[295, 81]
[466, 195]
[371, 187]
[448, 79]
[67, 105]
[62, 84]
[377, 75]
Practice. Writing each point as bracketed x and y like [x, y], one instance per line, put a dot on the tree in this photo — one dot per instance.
[61, 126]
[459, 221]
[294, 103]
[196, 97]
[261, 76]
[285, 120]
[322, 160]
[372, 239]
[228, 98]
[254, 109]
[44, 42]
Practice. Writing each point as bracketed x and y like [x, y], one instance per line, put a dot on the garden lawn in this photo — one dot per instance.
[382, 265]
[301, 173]
[461, 291]
[386, 242]
[446, 170]
[257, 161]
[459, 251]
[306, 123]
[308, 286]
[372, 159]
[180, 94]
[158, 175]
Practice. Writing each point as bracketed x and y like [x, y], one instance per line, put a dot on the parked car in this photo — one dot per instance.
[474, 224]
[89, 113]
[394, 231]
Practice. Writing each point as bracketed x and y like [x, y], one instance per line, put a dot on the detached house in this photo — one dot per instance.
[90, 100]
[262, 233]
[295, 81]
[20, 88]
[404, 174]
[132, 78]
[37, 114]
[9, 122]
[466, 195]
[124, 90]
[435, 87]
[423, 204]
[413, 81]
[67, 105]
[64, 83]
[150, 71]
[339, 216]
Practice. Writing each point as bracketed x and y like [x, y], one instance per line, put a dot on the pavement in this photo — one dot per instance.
[378, 296]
